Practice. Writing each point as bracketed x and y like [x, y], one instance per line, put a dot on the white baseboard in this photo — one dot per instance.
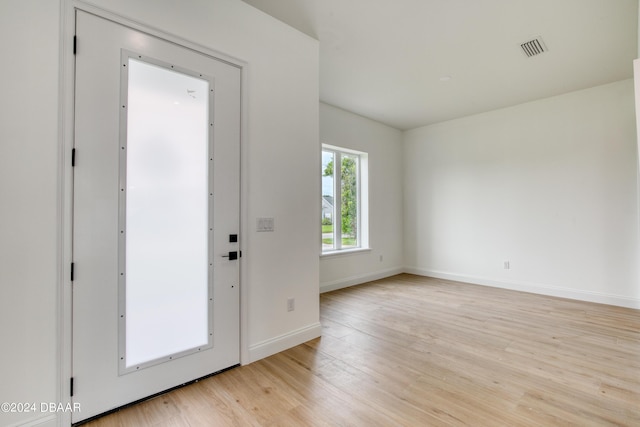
[556, 291]
[284, 342]
[47, 421]
[356, 280]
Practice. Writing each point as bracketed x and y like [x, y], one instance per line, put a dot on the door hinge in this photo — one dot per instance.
[75, 44]
[73, 157]
[72, 267]
[71, 387]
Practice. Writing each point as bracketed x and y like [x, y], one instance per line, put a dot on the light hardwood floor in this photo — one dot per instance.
[415, 351]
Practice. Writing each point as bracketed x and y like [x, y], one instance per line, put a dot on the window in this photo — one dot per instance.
[344, 199]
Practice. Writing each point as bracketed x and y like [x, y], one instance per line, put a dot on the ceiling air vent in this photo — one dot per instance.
[533, 47]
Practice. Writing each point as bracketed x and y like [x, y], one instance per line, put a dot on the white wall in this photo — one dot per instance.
[384, 146]
[549, 186]
[280, 164]
[28, 191]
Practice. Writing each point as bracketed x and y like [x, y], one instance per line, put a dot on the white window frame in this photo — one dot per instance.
[362, 182]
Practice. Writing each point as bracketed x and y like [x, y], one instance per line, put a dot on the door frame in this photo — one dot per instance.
[66, 120]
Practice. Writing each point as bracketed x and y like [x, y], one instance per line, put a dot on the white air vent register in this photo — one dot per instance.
[533, 47]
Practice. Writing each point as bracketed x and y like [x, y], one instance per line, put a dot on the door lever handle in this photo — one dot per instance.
[232, 255]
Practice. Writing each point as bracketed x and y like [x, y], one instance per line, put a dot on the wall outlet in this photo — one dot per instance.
[507, 265]
[291, 304]
[380, 258]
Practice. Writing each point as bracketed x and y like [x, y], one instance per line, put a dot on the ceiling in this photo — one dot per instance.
[409, 63]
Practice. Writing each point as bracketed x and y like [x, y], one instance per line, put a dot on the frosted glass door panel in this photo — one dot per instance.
[166, 219]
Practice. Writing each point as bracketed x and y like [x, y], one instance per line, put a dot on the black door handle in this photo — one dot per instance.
[232, 255]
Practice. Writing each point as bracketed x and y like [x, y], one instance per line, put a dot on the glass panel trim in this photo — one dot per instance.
[173, 205]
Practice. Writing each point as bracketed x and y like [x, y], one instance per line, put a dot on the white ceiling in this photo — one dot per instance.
[384, 59]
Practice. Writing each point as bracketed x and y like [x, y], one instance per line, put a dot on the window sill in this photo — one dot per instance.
[331, 254]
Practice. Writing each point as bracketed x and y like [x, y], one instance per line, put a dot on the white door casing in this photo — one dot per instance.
[101, 383]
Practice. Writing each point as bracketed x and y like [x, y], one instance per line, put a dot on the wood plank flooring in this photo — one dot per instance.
[416, 351]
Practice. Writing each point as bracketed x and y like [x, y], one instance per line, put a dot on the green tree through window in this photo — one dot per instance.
[349, 195]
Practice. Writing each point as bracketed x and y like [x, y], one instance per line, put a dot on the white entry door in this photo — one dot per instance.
[156, 215]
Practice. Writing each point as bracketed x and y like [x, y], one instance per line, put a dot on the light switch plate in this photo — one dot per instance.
[264, 224]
